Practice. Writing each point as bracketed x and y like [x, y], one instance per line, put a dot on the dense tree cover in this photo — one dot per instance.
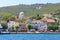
[30, 9]
[8, 17]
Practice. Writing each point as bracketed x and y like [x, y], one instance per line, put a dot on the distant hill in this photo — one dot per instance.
[30, 9]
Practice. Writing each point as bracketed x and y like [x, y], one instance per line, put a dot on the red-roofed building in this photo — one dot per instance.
[50, 20]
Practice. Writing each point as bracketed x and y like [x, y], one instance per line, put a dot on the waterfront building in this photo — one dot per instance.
[11, 23]
[40, 25]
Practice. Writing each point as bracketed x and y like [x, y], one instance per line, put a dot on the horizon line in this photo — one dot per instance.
[27, 4]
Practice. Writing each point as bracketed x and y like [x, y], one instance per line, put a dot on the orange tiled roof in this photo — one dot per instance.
[50, 20]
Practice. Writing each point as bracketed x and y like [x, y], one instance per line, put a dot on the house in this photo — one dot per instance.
[12, 24]
[40, 25]
[50, 21]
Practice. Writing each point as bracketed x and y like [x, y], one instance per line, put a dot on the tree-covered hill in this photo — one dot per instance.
[30, 9]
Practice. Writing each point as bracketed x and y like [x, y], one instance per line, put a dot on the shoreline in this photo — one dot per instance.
[32, 33]
[35, 33]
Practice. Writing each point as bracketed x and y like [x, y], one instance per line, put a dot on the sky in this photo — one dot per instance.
[16, 2]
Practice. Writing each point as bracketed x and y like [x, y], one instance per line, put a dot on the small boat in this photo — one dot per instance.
[4, 32]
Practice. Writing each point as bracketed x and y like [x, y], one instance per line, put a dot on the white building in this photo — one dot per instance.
[21, 15]
[41, 26]
[11, 24]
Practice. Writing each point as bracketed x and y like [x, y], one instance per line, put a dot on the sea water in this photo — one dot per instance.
[29, 36]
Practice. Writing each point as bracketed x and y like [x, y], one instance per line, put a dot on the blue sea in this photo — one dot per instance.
[29, 36]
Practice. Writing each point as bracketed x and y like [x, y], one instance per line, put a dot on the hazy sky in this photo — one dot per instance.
[15, 2]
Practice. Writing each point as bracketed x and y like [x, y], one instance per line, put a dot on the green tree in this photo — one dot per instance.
[12, 18]
[17, 27]
[56, 26]
[50, 27]
[38, 17]
[12, 28]
[8, 17]
[4, 26]
[29, 26]
[53, 27]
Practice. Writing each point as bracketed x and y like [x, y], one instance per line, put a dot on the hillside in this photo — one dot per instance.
[30, 9]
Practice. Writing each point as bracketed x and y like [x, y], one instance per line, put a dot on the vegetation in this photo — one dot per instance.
[57, 12]
[4, 25]
[8, 13]
[21, 21]
[12, 28]
[38, 17]
[30, 10]
[32, 27]
[8, 17]
[17, 27]
[53, 27]
[56, 26]
[50, 27]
